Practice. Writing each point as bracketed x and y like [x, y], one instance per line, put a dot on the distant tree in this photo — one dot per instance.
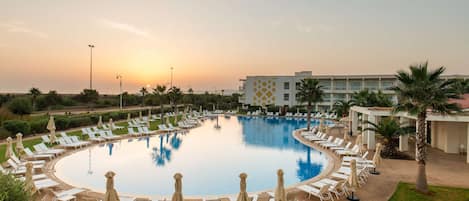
[174, 96]
[34, 92]
[366, 98]
[421, 91]
[20, 106]
[310, 92]
[5, 98]
[144, 92]
[342, 107]
[88, 96]
[53, 98]
[160, 92]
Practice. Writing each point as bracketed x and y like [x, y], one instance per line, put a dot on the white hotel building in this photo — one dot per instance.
[281, 90]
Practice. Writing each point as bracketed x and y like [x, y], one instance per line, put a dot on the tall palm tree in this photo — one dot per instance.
[144, 92]
[160, 91]
[174, 96]
[310, 92]
[34, 92]
[420, 91]
[389, 128]
[342, 107]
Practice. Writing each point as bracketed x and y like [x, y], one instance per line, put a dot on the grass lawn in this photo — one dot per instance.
[406, 192]
[30, 142]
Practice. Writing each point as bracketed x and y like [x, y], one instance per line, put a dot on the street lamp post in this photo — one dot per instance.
[171, 85]
[91, 65]
[120, 85]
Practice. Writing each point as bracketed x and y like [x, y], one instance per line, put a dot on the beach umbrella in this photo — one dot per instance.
[100, 122]
[243, 194]
[280, 194]
[177, 196]
[149, 114]
[128, 117]
[353, 180]
[111, 125]
[176, 119]
[111, 193]
[29, 182]
[359, 142]
[148, 123]
[167, 119]
[19, 144]
[297, 110]
[51, 128]
[200, 109]
[321, 124]
[279, 110]
[376, 158]
[140, 115]
[9, 149]
[346, 136]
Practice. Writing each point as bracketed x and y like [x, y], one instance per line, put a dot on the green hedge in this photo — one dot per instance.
[17, 126]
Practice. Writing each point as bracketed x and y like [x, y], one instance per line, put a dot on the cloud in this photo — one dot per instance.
[20, 27]
[125, 27]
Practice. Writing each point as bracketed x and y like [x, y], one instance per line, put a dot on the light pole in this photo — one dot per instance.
[171, 85]
[91, 65]
[119, 77]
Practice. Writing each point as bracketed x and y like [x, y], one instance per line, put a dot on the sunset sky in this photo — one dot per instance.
[212, 44]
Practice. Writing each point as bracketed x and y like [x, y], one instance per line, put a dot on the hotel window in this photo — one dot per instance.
[286, 97]
[326, 97]
[338, 97]
[286, 85]
[355, 85]
[297, 86]
[340, 85]
[387, 84]
[371, 84]
[326, 84]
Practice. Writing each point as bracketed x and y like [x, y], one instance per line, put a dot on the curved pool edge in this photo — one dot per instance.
[332, 165]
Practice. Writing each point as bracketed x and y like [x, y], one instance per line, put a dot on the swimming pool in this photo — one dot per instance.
[210, 159]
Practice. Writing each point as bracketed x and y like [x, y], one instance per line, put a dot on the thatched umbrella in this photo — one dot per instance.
[149, 114]
[200, 109]
[243, 194]
[100, 122]
[9, 149]
[19, 144]
[140, 115]
[321, 125]
[376, 158]
[353, 180]
[280, 194]
[29, 182]
[111, 193]
[177, 196]
[176, 119]
[128, 117]
[51, 128]
[167, 119]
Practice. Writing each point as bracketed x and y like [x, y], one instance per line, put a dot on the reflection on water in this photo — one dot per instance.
[210, 159]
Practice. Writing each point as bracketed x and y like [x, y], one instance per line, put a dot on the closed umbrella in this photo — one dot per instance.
[29, 182]
[321, 125]
[100, 122]
[346, 136]
[353, 180]
[111, 125]
[9, 150]
[297, 110]
[177, 196]
[51, 128]
[243, 194]
[213, 107]
[128, 117]
[279, 110]
[19, 144]
[359, 142]
[167, 119]
[140, 115]
[376, 158]
[200, 109]
[111, 193]
[149, 113]
[176, 119]
[280, 194]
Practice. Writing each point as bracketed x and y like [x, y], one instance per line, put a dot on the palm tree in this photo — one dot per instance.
[389, 129]
[34, 92]
[144, 91]
[311, 92]
[174, 95]
[420, 91]
[461, 86]
[160, 91]
[342, 107]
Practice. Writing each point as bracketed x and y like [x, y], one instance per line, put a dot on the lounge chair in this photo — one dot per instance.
[12, 171]
[67, 143]
[114, 126]
[16, 166]
[45, 139]
[143, 131]
[163, 127]
[92, 137]
[322, 193]
[30, 154]
[132, 132]
[67, 195]
[43, 149]
[337, 187]
[22, 163]
[108, 135]
[45, 183]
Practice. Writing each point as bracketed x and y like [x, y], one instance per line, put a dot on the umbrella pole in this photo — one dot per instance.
[374, 171]
[353, 197]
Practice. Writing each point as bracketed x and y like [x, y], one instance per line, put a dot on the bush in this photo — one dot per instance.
[62, 123]
[5, 114]
[20, 106]
[17, 126]
[39, 126]
[80, 121]
[12, 189]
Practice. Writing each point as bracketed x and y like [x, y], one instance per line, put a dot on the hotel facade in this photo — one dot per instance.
[282, 90]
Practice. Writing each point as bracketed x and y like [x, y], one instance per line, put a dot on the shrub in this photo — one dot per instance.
[39, 126]
[20, 106]
[5, 114]
[80, 121]
[4, 133]
[12, 189]
[62, 123]
[17, 126]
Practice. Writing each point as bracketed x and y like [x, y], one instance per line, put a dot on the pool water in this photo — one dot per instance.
[210, 159]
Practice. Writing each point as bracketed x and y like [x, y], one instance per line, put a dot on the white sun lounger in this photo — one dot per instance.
[11, 171]
[16, 166]
[45, 183]
[43, 149]
[92, 137]
[132, 132]
[322, 193]
[22, 163]
[68, 144]
[30, 154]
